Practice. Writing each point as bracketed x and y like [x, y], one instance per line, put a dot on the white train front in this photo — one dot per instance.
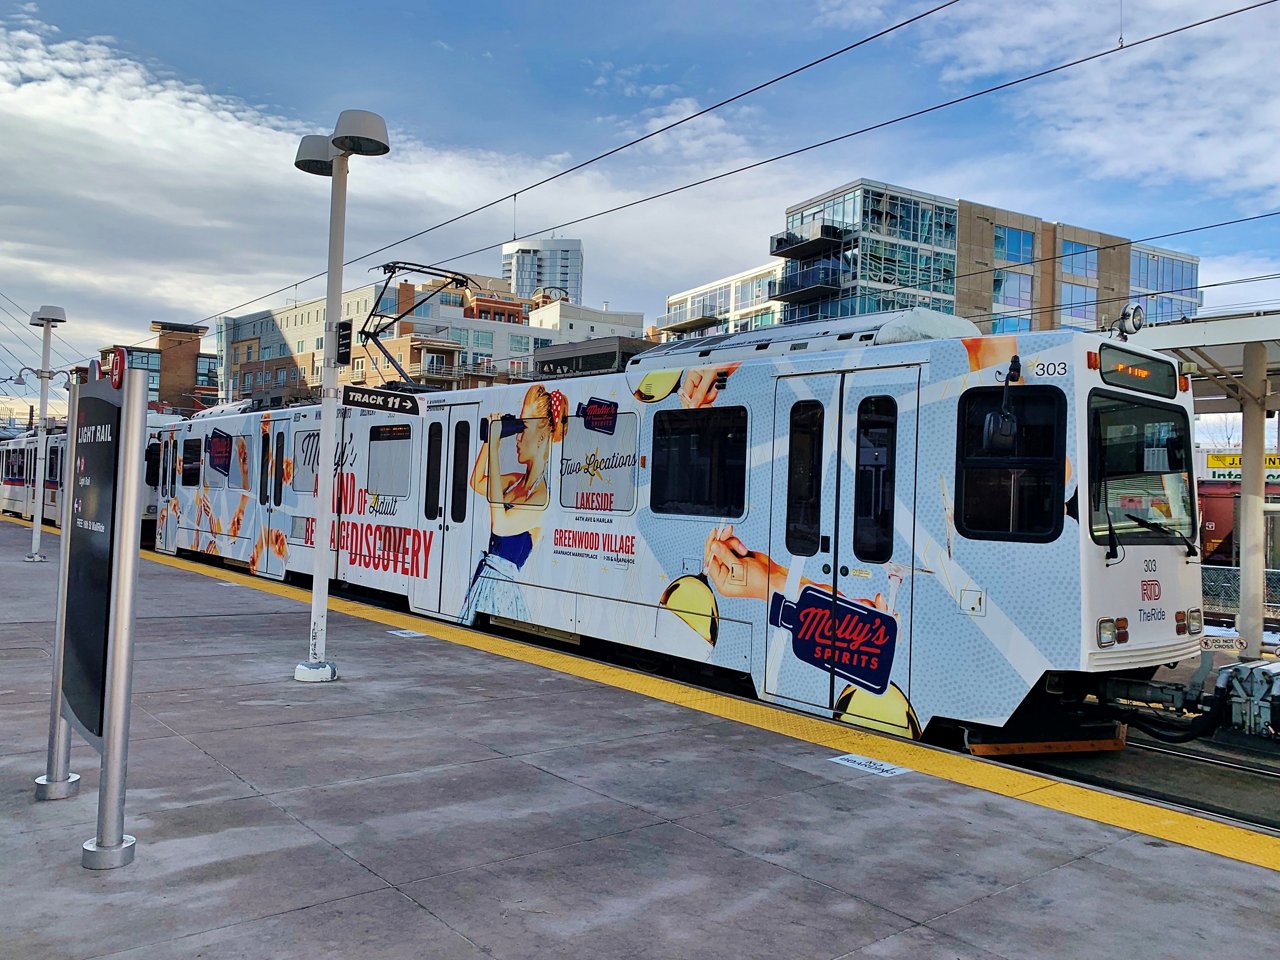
[862, 517]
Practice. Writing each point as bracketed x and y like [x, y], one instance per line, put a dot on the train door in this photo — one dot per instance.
[446, 510]
[843, 512]
[272, 546]
[32, 485]
[166, 522]
[54, 449]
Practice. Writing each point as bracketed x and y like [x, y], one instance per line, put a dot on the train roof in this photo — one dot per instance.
[894, 326]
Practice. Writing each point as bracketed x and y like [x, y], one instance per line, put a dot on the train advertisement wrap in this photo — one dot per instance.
[833, 525]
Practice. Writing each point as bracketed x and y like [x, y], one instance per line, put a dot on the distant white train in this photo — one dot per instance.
[888, 519]
[20, 488]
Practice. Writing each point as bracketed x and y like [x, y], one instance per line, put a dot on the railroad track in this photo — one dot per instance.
[1230, 787]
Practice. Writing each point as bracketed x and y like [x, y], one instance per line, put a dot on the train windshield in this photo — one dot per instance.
[1139, 471]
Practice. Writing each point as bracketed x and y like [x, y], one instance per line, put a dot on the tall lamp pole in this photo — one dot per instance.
[47, 317]
[363, 134]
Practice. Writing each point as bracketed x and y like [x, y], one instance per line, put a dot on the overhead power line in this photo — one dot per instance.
[606, 154]
[987, 91]
[997, 88]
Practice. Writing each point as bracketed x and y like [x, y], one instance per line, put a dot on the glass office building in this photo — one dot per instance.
[530, 264]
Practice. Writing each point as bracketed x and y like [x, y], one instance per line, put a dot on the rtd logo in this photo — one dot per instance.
[1150, 590]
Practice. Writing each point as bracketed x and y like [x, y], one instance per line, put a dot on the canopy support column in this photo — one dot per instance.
[1253, 450]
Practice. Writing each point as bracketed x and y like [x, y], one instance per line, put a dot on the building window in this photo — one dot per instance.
[804, 478]
[357, 366]
[1011, 289]
[266, 353]
[1014, 493]
[299, 346]
[1011, 325]
[1078, 301]
[1013, 245]
[248, 354]
[1079, 259]
[700, 462]
[319, 343]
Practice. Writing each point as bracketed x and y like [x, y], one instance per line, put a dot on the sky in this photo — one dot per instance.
[148, 146]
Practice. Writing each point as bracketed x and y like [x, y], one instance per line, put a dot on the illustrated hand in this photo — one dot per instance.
[699, 387]
[735, 571]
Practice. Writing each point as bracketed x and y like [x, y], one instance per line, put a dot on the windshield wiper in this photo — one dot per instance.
[1168, 531]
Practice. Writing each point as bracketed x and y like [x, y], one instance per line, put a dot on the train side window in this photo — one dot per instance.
[277, 494]
[508, 445]
[264, 469]
[238, 470]
[461, 492]
[164, 467]
[390, 459]
[873, 482]
[173, 466]
[306, 457]
[53, 465]
[435, 443]
[804, 478]
[598, 461]
[152, 478]
[1015, 494]
[191, 453]
[700, 462]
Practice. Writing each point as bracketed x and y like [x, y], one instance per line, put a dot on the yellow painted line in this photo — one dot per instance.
[1137, 816]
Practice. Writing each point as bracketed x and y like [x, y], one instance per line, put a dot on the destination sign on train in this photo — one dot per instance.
[388, 400]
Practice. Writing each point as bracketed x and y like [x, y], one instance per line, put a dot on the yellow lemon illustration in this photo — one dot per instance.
[691, 599]
[890, 712]
[658, 385]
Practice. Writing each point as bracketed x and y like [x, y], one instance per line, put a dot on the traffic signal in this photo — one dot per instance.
[344, 342]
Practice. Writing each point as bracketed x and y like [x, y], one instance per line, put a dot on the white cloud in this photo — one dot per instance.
[1187, 109]
[441, 44]
[1256, 295]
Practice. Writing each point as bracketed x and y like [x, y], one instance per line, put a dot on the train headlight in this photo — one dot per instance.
[1195, 621]
[1106, 633]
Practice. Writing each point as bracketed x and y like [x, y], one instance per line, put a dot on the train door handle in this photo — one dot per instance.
[824, 544]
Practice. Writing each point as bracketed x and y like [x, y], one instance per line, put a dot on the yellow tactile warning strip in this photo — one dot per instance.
[1212, 836]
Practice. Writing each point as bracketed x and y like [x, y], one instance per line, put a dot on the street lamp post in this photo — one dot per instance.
[363, 134]
[47, 317]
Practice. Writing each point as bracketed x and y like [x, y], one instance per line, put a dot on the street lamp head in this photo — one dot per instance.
[315, 155]
[361, 133]
[48, 314]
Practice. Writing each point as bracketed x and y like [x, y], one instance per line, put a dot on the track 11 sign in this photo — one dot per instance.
[390, 401]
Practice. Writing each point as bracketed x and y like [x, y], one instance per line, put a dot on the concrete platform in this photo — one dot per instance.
[453, 796]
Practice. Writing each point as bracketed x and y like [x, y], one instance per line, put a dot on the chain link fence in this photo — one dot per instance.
[1222, 591]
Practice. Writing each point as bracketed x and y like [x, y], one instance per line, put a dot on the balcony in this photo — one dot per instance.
[810, 239]
[805, 285]
[690, 321]
[424, 372]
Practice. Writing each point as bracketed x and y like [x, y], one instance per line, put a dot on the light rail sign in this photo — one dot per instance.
[93, 639]
[389, 401]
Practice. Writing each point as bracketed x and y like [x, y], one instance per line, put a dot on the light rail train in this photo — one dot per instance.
[888, 519]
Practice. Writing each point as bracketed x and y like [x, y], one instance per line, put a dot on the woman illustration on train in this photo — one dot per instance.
[516, 500]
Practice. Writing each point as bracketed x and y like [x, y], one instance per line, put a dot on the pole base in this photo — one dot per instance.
[316, 671]
[47, 789]
[95, 857]
[34, 558]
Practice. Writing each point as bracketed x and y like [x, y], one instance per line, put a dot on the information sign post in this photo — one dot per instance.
[93, 657]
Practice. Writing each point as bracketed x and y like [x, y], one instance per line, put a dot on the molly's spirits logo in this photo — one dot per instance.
[599, 415]
[855, 641]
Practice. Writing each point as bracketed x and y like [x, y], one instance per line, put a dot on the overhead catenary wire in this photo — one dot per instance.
[956, 101]
[996, 88]
[608, 153]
